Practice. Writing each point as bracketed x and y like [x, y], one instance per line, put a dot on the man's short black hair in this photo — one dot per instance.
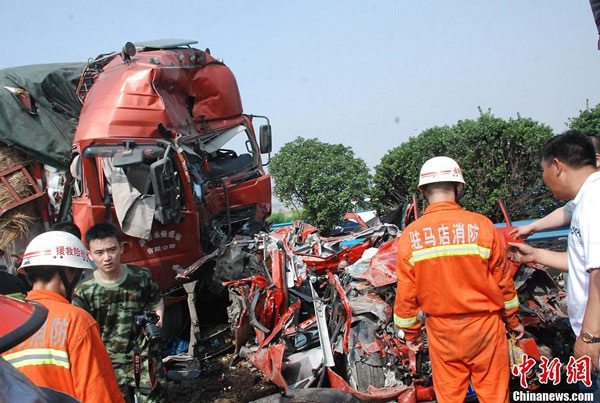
[102, 230]
[572, 148]
[448, 186]
[41, 273]
[595, 141]
[67, 227]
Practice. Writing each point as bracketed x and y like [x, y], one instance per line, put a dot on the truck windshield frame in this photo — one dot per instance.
[225, 153]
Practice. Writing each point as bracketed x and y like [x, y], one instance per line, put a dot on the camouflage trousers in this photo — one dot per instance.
[145, 393]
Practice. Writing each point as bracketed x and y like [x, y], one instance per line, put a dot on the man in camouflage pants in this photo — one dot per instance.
[114, 295]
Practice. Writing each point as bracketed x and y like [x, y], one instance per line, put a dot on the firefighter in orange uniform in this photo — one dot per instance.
[452, 266]
[66, 353]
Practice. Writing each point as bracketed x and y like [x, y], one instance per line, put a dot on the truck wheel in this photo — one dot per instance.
[361, 375]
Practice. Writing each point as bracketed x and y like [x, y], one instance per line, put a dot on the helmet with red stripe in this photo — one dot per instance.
[440, 169]
[56, 248]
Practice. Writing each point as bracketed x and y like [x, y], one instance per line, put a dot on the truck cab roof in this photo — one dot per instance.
[164, 44]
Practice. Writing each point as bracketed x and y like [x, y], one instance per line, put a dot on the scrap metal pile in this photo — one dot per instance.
[310, 311]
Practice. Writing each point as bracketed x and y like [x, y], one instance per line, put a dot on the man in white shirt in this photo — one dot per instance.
[569, 169]
[559, 217]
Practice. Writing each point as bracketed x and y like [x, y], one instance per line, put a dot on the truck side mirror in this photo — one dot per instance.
[265, 139]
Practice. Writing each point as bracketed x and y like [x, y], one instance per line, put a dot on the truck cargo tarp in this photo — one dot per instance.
[45, 128]
[596, 12]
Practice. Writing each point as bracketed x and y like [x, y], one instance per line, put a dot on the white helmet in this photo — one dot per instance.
[440, 169]
[56, 248]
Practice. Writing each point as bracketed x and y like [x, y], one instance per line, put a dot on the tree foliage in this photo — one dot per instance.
[499, 159]
[588, 121]
[323, 178]
[396, 176]
[279, 217]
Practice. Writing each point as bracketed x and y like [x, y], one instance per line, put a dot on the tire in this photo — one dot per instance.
[361, 375]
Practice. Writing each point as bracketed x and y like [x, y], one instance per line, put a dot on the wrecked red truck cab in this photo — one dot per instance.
[163, 148]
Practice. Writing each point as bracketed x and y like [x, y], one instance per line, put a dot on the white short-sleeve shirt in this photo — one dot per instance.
[568, 208]
[583, 247]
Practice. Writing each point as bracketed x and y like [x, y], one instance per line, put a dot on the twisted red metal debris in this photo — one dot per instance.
[351, 344]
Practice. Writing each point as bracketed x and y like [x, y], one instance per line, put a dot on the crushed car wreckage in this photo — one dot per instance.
[317, 311]
[310, 311]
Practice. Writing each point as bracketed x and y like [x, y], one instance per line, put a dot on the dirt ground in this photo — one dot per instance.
[220, 383]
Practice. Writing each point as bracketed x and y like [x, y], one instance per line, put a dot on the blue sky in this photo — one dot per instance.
[367, 74]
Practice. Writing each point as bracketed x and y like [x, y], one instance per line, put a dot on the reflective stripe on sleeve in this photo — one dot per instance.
[513, 303]
[449, 250]
[38, 356]
[404, 322]
[18, 295]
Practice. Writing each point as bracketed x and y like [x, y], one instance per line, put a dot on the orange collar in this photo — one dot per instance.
[41, 295]
[444, 205]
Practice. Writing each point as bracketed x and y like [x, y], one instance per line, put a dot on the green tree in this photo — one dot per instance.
[499, 159]
[279, 217]
[588, 121]
[397, 175]
[325, 179]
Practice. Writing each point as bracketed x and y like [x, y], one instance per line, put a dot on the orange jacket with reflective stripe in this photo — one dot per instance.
[451, 262]
[67, 353]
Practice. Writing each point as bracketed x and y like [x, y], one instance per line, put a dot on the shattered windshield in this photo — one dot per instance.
[227, 152]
